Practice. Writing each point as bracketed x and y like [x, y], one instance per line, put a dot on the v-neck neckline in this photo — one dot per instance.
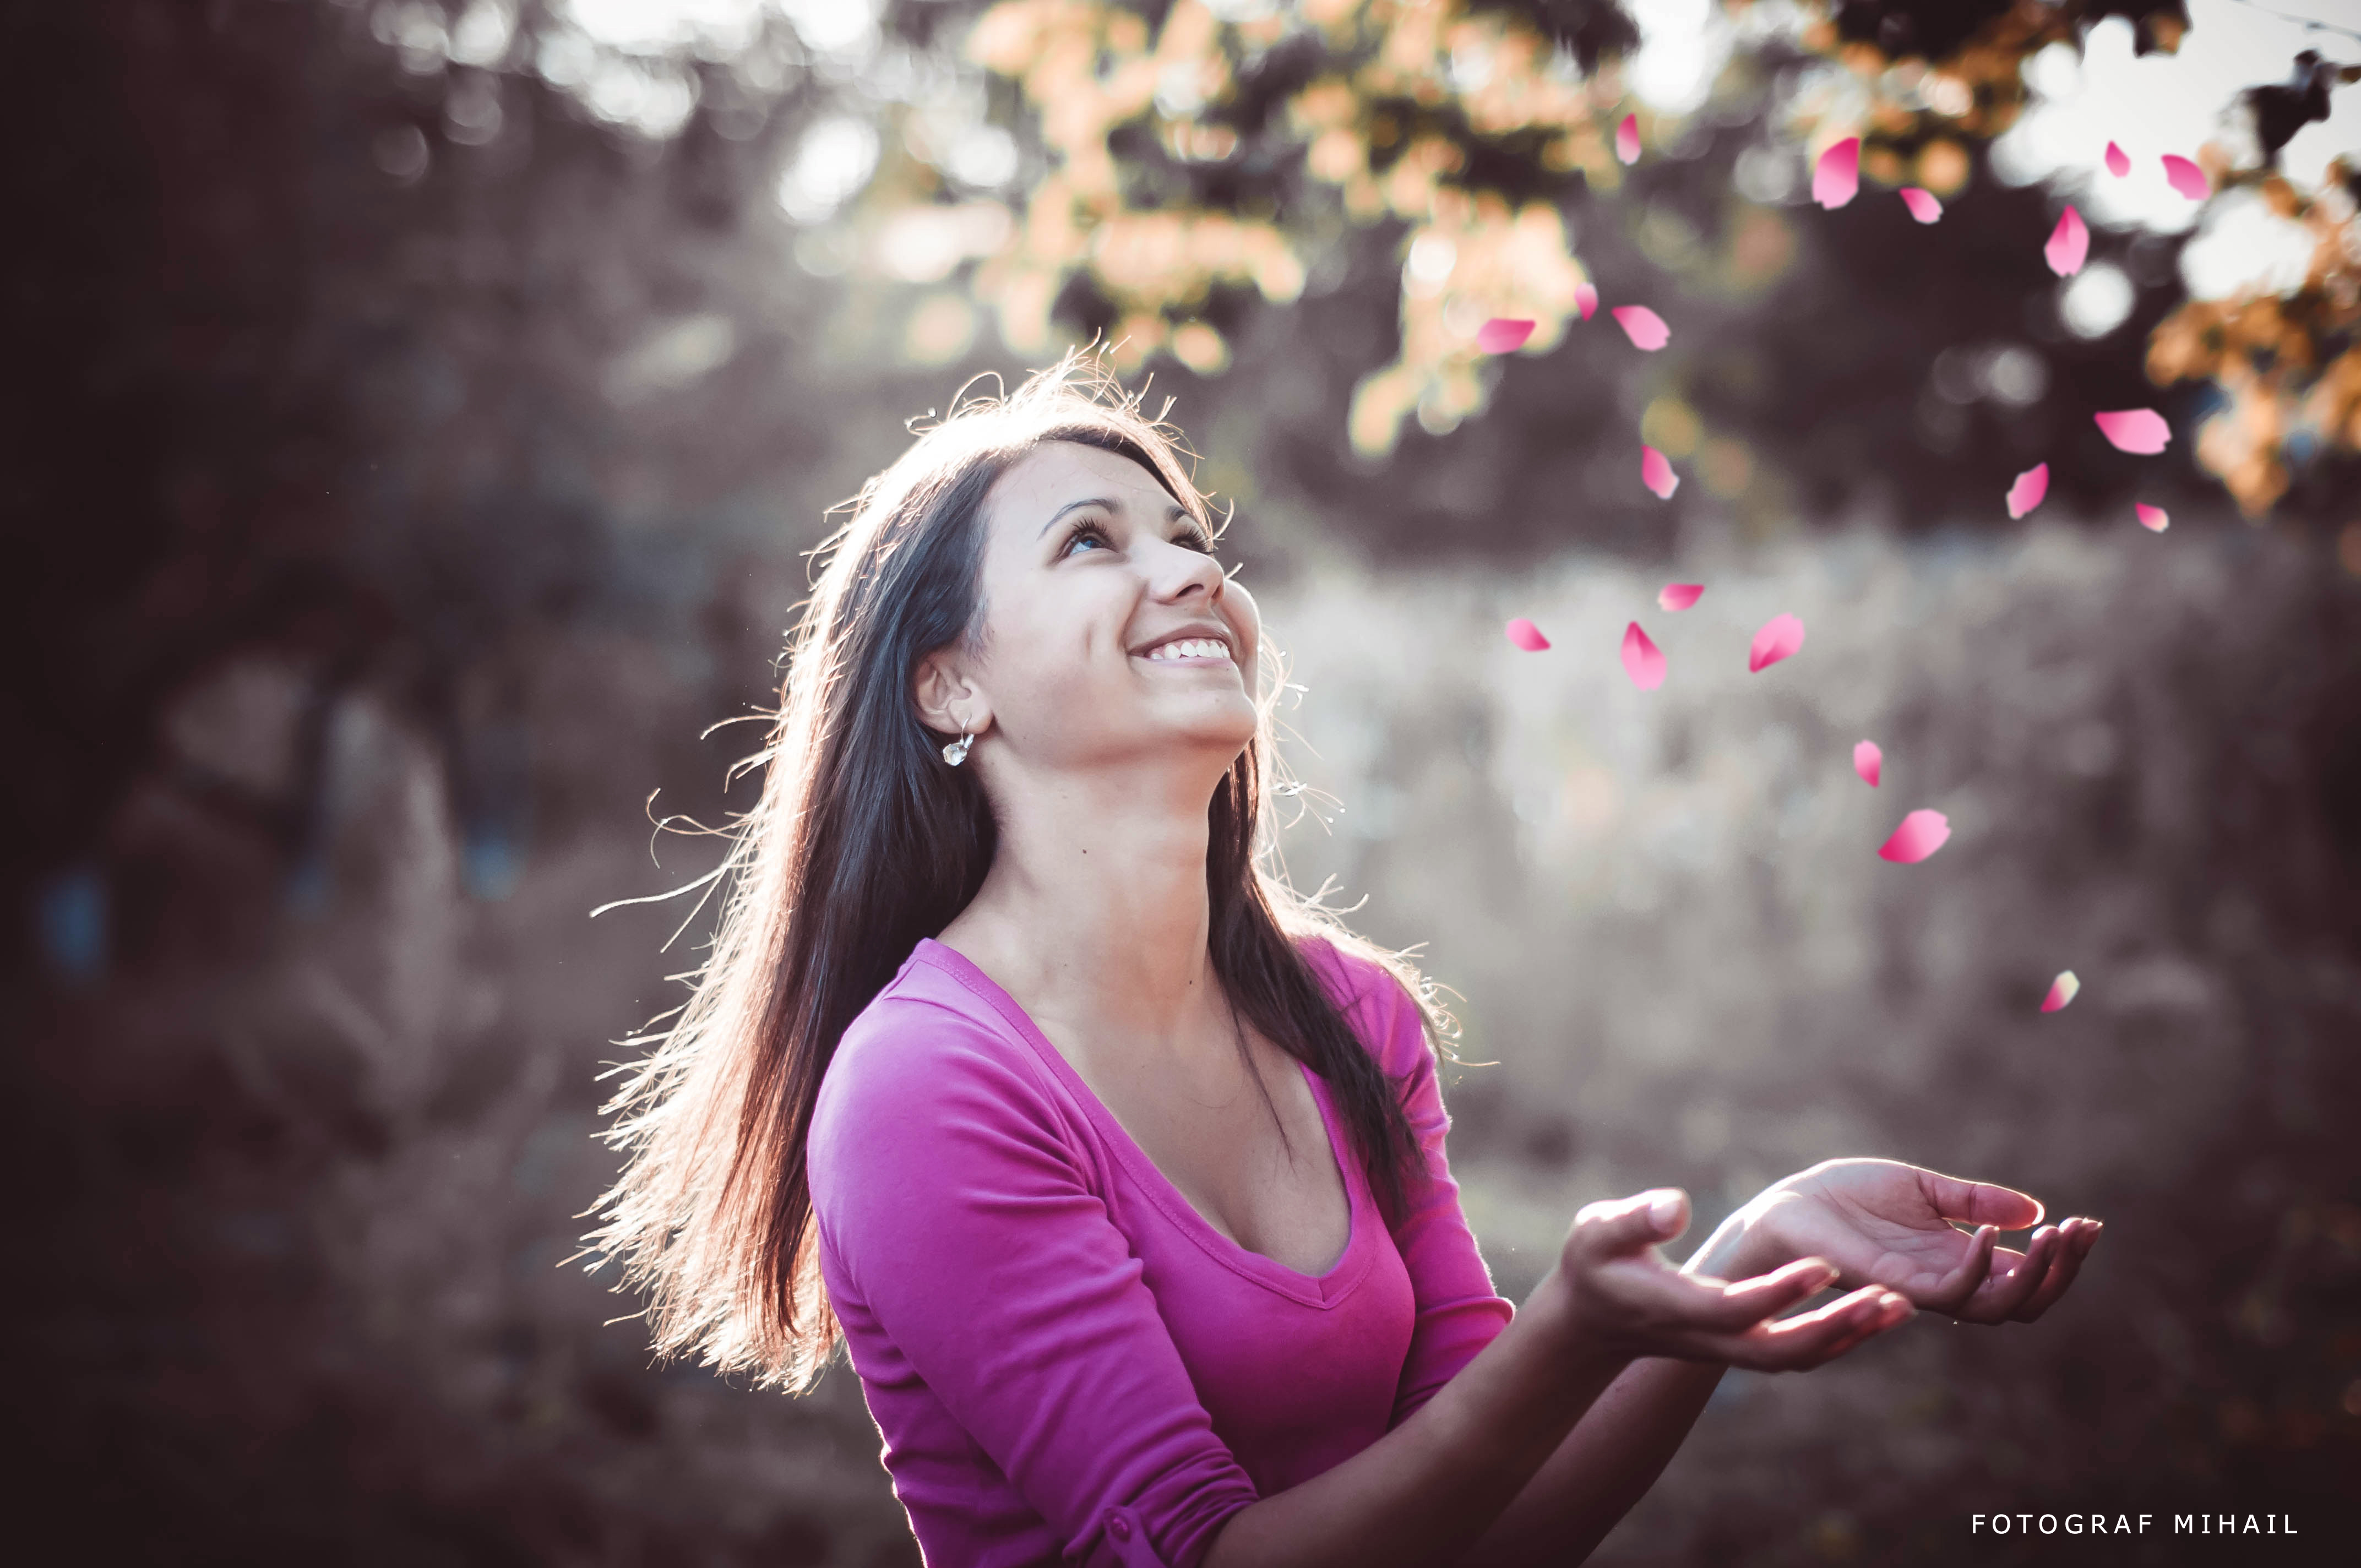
[1318, 1291]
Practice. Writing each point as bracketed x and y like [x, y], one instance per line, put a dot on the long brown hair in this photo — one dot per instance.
[861, 843]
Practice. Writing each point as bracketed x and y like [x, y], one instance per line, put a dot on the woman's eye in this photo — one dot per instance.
[1188, 539]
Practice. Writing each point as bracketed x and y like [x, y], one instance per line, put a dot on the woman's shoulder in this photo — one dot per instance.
[932, 1112]
[924, 1048]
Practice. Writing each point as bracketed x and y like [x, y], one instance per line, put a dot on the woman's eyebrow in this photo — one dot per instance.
[1171, 514]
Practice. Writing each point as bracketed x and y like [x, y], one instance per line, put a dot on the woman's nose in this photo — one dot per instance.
[1191, 570]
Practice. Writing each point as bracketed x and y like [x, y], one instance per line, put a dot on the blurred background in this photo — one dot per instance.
[418, 416]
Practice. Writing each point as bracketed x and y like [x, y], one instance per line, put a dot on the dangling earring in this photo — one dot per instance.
[956, 752]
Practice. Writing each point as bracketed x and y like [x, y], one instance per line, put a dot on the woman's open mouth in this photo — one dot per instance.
[1189, 651]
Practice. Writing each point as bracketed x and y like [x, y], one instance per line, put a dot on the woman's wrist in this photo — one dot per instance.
[1741, 1247]
[1575, 1346]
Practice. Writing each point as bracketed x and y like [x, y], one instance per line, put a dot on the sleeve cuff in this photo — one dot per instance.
[1124, 1544]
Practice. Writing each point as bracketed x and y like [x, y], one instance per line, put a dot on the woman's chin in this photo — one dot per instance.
[1216, 725]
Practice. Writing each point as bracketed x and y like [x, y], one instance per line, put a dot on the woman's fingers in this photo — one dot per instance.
[1953, 1292]
[2003, 1293]
[2054, 1278]
[2075, 1240]
[1979, 1202]
[1650, 1302]
[1791, 1344]
[1809, 1339]
[1734, 1307]
[1618, 1227]
[1637, 1299]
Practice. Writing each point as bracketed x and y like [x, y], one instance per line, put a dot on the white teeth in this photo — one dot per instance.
[1189, 648]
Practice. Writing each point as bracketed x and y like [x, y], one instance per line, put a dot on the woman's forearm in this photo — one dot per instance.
[1423, 1493]
[1605, 1465]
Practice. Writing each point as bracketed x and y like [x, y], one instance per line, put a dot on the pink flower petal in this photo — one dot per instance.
[1837, 177]
[1643, 326]
[1586, 300]
[1921, 834]
[2186, 178]
[1868, 762]
[1526, 635]
[2062, 990]
[1680, 596]
[1626, 139]
[2069, 243]
[2030, 487]
[1656, 472]
[2135, 430]
[1641, 660]
[2153, 518]
[1781, 636]
[1922, 204]
[2119, 162]
[1502, 334]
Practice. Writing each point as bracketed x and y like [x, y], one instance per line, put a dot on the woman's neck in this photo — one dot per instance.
[1095, 915]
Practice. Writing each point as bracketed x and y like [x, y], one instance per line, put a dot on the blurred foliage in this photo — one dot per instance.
[2290, 363]
[1162, 174]
[1198, 152]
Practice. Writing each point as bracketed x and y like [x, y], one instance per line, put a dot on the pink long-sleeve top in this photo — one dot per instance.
[1066, 1361]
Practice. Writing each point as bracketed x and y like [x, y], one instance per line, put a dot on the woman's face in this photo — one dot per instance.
[1110, 633]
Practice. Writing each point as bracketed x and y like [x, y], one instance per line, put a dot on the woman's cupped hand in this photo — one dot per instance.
[1881, 1230]
[1882, 1222]
[1625, 1300]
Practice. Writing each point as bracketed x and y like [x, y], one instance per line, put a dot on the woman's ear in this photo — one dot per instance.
[948, 702]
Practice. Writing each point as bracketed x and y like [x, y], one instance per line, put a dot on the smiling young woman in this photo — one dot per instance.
[1118, 1167]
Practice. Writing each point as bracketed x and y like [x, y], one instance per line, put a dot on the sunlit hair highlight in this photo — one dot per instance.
[862, 841]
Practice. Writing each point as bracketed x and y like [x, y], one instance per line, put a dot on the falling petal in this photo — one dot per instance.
[2151, 518]
[1656, 472]
[2119, 163]
[1781, 636]
[1837, 177]
[2062, 990]
[1922, 204]
[1643, 326]
[1502, 334]
[1586, 300]
[1626, 139]
[1921, 834]
[2069, 243]
[2135, 430]
[2186, 178]
[1868, 762]
[2030, 487]
[1680, 596]
[1526, 635]
[1642, 659]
